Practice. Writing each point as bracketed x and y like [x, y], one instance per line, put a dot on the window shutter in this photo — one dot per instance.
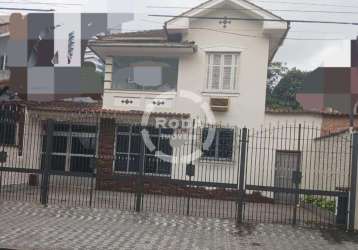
[227, 72]
[222, 71]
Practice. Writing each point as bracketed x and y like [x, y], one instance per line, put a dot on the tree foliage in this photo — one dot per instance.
[282, 86]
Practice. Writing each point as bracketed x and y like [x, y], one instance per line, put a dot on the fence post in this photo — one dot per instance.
[47, 165]
[242, 162]
[140, 182]
[353, 189]
[297, 178]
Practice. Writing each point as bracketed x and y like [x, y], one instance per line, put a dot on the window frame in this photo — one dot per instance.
[234, 79]
[130, 79]
[69, 135]
[10, 122]
[216, 158]
[146, 154]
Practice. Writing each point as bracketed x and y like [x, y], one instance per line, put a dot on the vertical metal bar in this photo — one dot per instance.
[47, 165]
[191, 163]
[140, 183]
[353, 189]
[242, 161]
[296, 181]
[94, 172]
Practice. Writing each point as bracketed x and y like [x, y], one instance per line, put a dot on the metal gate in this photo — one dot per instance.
[60, 165]
[289, 174]
[295, 174]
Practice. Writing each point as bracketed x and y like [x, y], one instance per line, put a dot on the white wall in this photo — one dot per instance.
[247, 104]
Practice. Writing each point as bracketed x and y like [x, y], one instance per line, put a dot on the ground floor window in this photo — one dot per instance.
[218, 146]
[7, 126]
[74, 147]
[128, 146]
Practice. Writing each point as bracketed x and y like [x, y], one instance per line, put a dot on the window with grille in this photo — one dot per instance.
[222, 71]
[129, 139]
[7, 126]
[73, 147]
[221, 147]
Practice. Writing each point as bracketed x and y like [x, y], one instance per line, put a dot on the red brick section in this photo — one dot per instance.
[105, 152]
[335, 123]
[107, 180]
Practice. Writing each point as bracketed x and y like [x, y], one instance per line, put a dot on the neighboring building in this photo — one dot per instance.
[332, 88]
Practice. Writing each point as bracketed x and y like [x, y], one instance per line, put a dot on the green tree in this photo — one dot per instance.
[275, 72]
[282, 86]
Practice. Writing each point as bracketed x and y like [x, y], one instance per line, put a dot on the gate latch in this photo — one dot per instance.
[3, 156]
[296, 177]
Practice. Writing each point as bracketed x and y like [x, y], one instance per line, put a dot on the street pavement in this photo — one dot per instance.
[30, 226]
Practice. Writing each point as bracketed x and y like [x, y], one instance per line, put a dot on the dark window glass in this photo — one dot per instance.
[210, 151]
[164, 167]
[136, 129]
[121, 162]
[58, 162]
[7, 133]
[59, 144]
[152, 130]
[61, 127]
[150, 164]
[154, 140]
[122, 143]
[84, 129]
[123, 128]
[221, 146]
[167, 131]
[135, 143]
[226, 137]
[83, 145]
[130, 156]
[7, 125]
[165, 147]
[134, 161]
[81, 164]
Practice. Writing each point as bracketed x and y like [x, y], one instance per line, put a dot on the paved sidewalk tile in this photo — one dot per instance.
[29, 226]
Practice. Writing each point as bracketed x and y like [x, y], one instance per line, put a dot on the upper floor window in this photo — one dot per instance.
[222, 71]
[145, 73]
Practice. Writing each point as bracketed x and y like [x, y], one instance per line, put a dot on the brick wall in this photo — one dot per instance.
[105, 152]
[335, 123]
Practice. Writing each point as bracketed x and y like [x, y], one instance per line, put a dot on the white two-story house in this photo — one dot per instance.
[216, 53]
[208, 64]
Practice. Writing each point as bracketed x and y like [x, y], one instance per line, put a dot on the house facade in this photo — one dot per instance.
[197, 64]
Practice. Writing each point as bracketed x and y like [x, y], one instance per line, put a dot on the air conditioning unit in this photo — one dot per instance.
[219, 104]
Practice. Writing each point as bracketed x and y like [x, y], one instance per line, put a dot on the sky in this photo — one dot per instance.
[322, 44]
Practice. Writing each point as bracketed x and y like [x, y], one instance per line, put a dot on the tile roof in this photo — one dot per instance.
[301, 111]
[87, 107]
[159, 34]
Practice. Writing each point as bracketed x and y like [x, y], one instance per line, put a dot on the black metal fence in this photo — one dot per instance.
[291, 174]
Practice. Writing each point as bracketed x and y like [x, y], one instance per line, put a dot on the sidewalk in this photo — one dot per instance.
[29, 226]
